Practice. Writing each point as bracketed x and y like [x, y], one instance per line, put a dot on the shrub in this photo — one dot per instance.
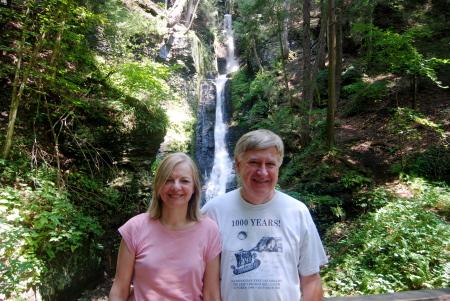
[37, 220]
[362, 91]
[433, 164]
[402, 246]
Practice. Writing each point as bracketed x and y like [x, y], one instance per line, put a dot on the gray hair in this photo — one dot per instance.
[258, 140]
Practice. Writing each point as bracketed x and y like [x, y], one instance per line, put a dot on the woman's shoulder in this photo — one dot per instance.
[208, 222]
[140, 219]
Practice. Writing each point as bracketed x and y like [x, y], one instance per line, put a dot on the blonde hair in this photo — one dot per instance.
[258, 140]
[163, 172]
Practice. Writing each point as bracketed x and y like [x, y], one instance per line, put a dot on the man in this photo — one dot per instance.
[270, 246]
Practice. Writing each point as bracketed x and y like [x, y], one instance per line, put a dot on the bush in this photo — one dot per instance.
[325, 209]
[433, 164]
[362, 91]
[37, 221]
[402, 246]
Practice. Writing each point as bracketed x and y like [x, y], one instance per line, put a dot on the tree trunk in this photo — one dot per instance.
[306, 76]
[189, 7]
[320, 56]
[51, 70]
[307, 99]
[339, 37]
[414, 94]
[174, 15]
[193, 15]
[255, 53]
[18, 88]
[284, 34]
[285, 75]
[331, 75]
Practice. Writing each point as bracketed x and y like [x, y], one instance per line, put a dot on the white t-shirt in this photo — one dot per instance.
[265, 247]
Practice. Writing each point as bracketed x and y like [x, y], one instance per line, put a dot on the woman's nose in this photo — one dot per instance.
[175, 185]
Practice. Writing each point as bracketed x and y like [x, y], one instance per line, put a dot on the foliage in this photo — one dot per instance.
[295, 168]
[354, 181]
[255, 22]
[128, 32]
[324, 207]
[374, 199]
[404, 124]
[397, 53]
[280, 120]
[240, 86]
[38, 221]
[140, 79]
[401, 246]
[432, 164]
[362, 91]
[260, 94]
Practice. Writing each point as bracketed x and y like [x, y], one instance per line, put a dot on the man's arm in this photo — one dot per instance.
[311, 287]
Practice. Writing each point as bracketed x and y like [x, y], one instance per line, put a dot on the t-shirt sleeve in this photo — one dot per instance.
[127, 231]
[215, 244]
[312, 253]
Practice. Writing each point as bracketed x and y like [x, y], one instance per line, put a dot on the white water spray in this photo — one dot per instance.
[221, 172]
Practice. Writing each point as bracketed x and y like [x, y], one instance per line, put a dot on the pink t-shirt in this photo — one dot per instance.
[169, 265]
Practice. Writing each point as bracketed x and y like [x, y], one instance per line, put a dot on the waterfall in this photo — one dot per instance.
[232, 63]
[221, 173]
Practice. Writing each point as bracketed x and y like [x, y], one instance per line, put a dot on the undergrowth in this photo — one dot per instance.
[38, 221]
[401, 246]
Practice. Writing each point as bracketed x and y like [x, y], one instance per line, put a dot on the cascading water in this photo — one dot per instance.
[221, 173]
[232, 63]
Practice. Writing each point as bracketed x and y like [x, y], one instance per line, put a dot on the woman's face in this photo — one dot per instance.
[178, 188]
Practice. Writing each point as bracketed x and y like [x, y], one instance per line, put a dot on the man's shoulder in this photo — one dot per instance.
[220, 201]
[290, 201]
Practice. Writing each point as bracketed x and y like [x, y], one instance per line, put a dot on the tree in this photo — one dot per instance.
[44, 24]
[306, 74]
[21, 77]
[175, 12]
[331, 74]
[396, 53]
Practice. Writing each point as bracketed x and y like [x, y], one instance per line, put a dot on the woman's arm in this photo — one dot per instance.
[211, 280]
[124, 272]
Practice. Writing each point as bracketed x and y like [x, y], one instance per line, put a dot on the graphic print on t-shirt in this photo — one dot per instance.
[247, 261]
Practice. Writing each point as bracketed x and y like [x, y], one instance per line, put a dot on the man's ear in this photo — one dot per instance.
[236, 164]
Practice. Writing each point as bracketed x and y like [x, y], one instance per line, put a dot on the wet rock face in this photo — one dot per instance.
[206, 114]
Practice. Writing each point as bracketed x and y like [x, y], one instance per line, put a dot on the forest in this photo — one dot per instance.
[94, 93]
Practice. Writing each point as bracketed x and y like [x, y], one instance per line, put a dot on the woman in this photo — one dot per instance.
[171, 252]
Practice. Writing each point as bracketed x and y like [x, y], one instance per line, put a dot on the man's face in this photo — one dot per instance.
[259, 173]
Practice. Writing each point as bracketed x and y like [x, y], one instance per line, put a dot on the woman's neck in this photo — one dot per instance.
[174, 221]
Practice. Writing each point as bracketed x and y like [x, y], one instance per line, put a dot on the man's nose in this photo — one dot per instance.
[262, 170]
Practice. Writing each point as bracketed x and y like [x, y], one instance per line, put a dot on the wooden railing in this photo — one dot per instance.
[422, 295]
